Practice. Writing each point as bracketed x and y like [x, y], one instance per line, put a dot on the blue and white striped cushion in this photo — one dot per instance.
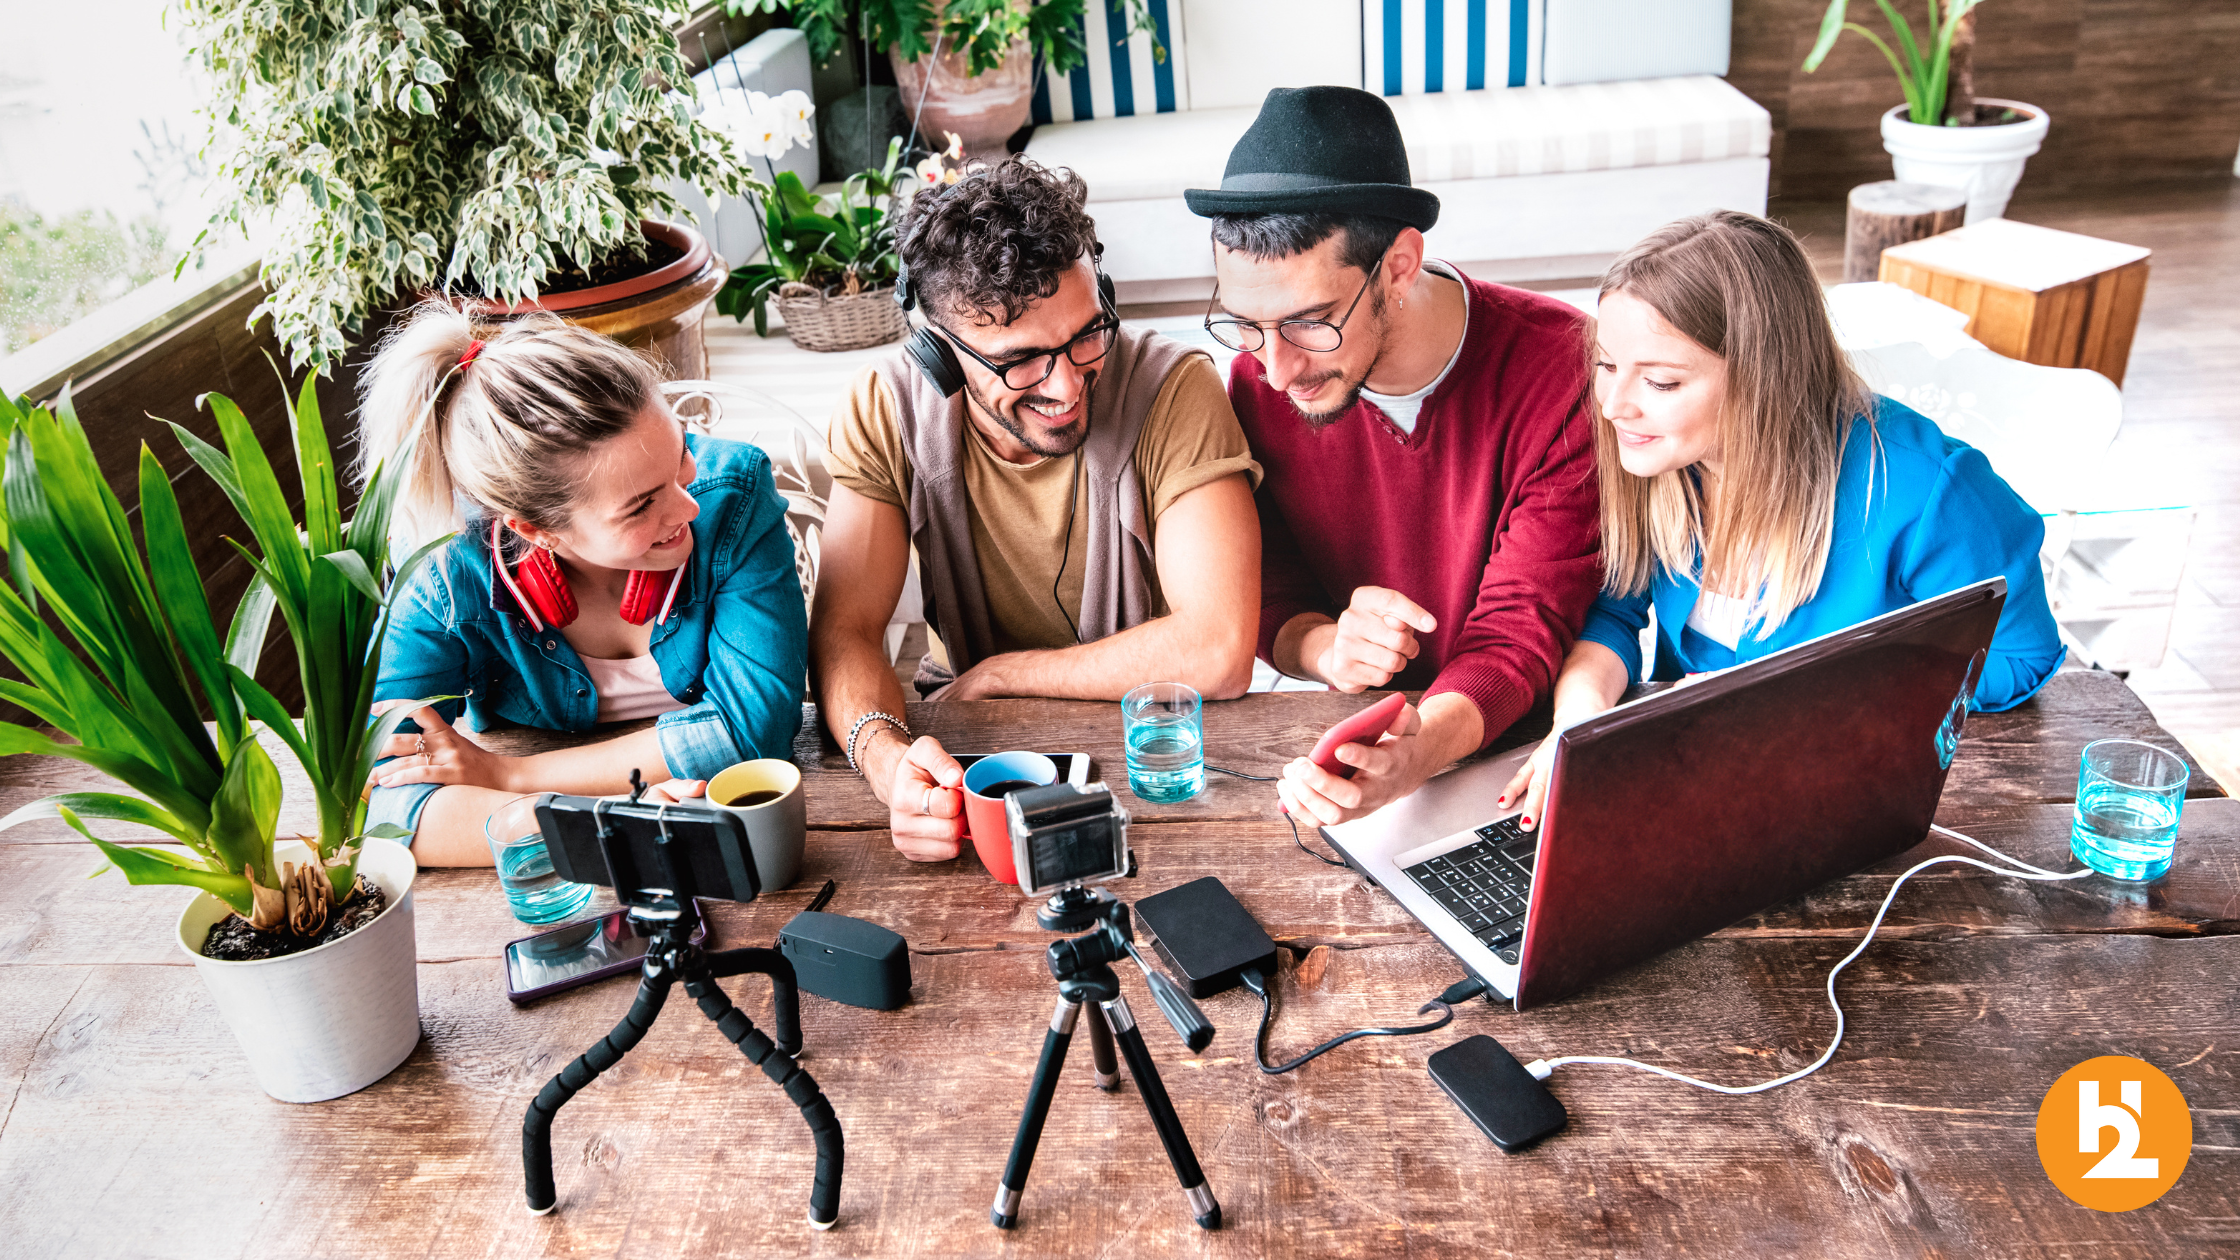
[1121, 77]
[1416, 46]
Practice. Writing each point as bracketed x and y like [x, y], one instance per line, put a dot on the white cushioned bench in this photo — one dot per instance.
[1537, 181]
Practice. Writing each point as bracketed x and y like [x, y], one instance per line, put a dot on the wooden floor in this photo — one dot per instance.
[2181, 421]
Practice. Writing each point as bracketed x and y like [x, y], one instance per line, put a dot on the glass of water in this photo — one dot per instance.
[1163, 724]
[533, 891]
[2129, 795]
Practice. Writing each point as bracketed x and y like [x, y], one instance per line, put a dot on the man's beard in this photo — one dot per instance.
[1322, 419]
[1048, 444]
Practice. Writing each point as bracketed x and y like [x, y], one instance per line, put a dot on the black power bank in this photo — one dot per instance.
[1500, 1095]
[1206, 936]
[848, 960]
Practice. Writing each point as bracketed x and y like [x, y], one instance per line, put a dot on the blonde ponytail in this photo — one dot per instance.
[500, 435]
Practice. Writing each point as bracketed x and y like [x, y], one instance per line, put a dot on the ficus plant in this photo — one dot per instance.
[119, 652]
[983, 29]
[380, 147]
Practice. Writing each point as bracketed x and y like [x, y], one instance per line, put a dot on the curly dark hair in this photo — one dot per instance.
[997, 240]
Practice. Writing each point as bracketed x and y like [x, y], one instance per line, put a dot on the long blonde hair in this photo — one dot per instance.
[1742, 288]
[499, 435]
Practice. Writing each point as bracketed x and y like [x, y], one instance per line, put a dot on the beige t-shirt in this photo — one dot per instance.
[1019, 512]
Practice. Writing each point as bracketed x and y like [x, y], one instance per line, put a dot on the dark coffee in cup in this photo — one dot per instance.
[762, 796]
[997, 791]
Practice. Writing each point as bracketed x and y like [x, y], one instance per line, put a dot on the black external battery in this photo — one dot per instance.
[1206, 936]
[847, 960]
[1500, 1095]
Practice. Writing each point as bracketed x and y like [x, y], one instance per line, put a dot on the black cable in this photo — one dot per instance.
[1263, 986]
[1296, 838]
[824, 896]
[1073, 484]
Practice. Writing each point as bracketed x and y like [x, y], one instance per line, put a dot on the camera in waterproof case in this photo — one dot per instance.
[1066, 834]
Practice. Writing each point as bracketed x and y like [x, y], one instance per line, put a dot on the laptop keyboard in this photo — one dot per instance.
[1485, 884]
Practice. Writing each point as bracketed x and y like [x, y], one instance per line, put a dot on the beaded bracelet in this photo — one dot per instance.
[873, 716]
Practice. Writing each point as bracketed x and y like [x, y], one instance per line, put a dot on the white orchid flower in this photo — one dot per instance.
[955, 151]
[930, 171]
[796, 108]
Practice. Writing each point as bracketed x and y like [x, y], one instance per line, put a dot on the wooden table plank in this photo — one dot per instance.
[1918, 1138]
[128, 1102]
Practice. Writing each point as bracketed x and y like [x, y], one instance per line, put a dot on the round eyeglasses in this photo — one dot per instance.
[1319, 336]
[1028, 370]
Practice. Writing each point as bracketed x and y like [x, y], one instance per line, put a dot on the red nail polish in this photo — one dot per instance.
[1528, 820]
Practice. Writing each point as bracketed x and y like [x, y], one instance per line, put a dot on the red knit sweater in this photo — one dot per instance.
[1486, 515]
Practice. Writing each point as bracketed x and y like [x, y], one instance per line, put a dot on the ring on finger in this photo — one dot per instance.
[925, 800]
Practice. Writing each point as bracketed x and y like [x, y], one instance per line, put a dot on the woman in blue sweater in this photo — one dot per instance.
[1756, 495]
[608, 566]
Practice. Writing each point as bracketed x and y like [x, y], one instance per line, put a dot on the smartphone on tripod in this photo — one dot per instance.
[576, 954]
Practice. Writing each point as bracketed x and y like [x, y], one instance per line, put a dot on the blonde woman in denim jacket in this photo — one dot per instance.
[607, 566]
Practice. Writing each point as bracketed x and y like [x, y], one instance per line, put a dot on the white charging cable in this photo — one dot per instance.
[1540, 1068]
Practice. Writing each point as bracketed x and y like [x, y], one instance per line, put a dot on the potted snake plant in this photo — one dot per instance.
[306, 944]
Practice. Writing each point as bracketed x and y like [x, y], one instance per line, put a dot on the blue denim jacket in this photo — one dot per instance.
[734, 648]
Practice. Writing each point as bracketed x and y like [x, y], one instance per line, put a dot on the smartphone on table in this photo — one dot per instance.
[1072, 767]
[577, 954]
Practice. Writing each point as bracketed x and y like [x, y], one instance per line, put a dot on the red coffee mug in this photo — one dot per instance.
[983, 815]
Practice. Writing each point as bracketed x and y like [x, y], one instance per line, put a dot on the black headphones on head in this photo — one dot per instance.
[937, 358]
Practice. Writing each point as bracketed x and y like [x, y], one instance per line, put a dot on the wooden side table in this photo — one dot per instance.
[2032, 293]
[1880, 215]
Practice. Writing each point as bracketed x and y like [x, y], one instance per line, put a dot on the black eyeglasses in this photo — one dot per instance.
[1320, 336]
[1034, 367]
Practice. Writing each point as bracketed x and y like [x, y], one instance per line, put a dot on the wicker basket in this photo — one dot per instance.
[851, 322]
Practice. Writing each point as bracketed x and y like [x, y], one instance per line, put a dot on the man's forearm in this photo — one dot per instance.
[1174, 648]
[855, 678]
[1452, 727]
[1302, 640]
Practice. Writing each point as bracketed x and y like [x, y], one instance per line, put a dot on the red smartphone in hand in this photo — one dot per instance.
[1362, 728]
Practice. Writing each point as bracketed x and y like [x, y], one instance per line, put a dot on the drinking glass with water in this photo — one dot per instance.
[1163, 725]
[2129, 795]
[533, 891]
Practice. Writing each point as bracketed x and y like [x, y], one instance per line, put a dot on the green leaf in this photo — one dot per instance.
[422, 101]
[179, 590]
[245, 811]
[252, 623]
[427, 71]
[266, 708]
[388, 831]
[1831, 28]
[145, 866]
[353, 568]
[129, 809]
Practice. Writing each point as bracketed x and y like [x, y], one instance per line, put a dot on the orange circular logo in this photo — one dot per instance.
[2114, 1133]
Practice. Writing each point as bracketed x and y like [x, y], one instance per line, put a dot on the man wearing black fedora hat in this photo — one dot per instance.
[1428, 511]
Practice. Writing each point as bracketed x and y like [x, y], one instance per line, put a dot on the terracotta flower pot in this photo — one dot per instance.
[662, 309]
[986, 110]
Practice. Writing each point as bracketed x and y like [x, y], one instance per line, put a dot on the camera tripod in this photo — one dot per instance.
[671, 916]
[1082, 967]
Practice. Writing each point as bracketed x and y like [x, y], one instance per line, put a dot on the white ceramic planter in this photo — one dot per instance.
[1986, 161]
[329, 1021]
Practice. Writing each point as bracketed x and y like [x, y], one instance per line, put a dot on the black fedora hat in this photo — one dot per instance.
[1319, 150]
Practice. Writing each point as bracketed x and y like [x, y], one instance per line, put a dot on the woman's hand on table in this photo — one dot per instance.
[924, 794]
[439, 754]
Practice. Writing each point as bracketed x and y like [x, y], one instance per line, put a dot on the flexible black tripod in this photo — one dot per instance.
[672, 915]
[1082, 968]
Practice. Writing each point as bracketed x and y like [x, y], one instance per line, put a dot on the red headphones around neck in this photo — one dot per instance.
[542, 591]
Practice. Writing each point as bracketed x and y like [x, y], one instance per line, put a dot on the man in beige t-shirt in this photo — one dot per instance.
[1079, 495]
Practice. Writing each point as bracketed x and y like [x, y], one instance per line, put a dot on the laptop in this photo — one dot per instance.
[1677, 814]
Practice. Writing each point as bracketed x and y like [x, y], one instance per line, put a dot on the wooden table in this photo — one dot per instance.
[131, 1126]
